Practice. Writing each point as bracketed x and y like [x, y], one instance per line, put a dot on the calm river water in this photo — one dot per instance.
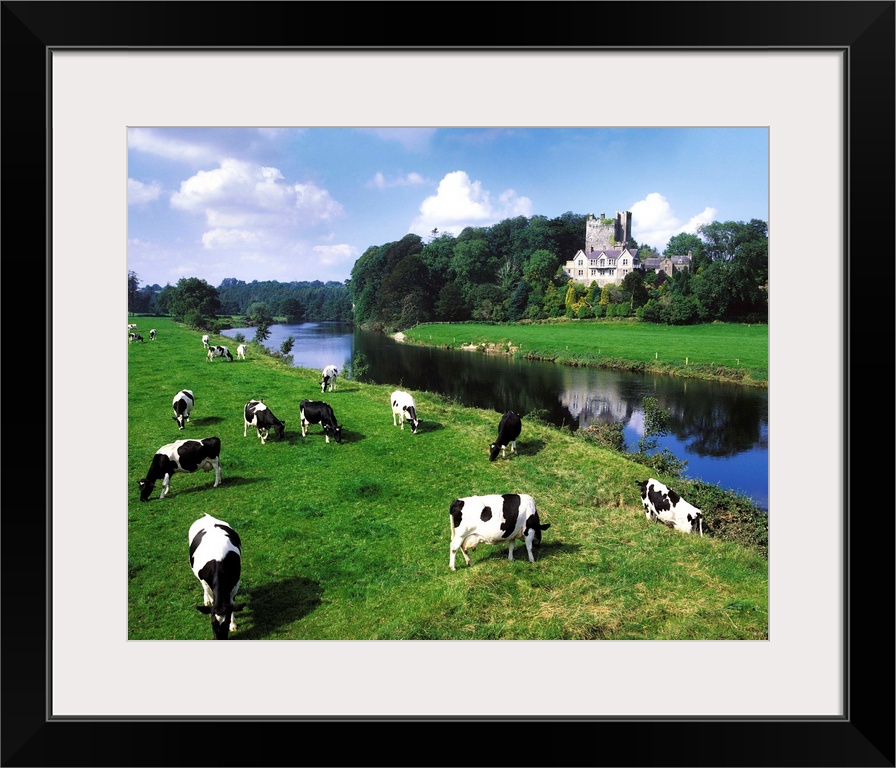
[721, 430]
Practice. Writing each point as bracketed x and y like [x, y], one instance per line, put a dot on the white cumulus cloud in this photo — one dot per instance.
[654, 222]
[141, 194]
[460, 202]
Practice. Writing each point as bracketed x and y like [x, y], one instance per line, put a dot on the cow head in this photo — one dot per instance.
[334, 432]
[221, 616]
[411, 415]
[279, 428]
[493, 450]
[146, 487]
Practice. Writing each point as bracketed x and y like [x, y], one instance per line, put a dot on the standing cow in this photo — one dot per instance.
[182, 405]
[404, 407]
[135, 337]
[665, 506]
[257, 414]
[181, 456]
[216, 559]
[241, 352]
[152, 334]
[218, 351]
[494, 519]
[205, 341]
[317, 412]
[328, 378]
[508, 431]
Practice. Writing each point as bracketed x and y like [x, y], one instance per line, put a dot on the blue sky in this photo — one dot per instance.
[304, 203]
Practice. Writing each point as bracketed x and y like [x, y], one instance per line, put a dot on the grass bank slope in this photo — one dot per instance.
[718, 351]
[350, 541]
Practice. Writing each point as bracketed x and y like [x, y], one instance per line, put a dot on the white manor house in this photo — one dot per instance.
[607, 258]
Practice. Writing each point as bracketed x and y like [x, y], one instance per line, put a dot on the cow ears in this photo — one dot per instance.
[210, 608]
[545, 526]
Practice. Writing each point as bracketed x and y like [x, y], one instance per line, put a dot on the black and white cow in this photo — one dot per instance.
[132, 327]
[135, 337]
[182, 405]
[218, 351]
[205, 341]
[328, 378]
[152, 334]
[216, 558]
[241, 352]
[318, 412]
[257, 414]
[665, 506]
[181, 456]
[494, 519]
[509, 430]
[404, 407]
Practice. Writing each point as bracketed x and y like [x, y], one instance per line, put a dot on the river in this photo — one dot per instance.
[719, 429]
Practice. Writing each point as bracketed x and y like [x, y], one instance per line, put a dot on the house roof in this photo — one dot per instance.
[613, 253]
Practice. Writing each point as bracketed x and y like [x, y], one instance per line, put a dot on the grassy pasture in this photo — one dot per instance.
[350, 541]
[727, 351]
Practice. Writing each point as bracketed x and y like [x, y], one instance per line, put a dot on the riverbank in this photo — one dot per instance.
[727, 352]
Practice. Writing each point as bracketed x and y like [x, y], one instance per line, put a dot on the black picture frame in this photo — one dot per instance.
[864, 736]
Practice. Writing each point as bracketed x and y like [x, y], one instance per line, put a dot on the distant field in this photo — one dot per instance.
[727, 345]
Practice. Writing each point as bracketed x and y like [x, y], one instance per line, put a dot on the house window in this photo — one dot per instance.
[580, 273]
[580, 262]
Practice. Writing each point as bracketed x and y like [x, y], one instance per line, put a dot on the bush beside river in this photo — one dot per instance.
[350, 541]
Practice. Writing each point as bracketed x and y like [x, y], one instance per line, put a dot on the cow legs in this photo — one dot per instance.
[510, 549]
[263, 434]
[245, 427]
[165, 486]
[456, 544]
[217, 474]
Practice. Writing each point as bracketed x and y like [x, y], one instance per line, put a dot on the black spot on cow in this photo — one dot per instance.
[486, 514]
[510, 513]
[457, 507]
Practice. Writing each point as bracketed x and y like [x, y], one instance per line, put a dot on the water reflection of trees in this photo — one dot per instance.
[712, 419]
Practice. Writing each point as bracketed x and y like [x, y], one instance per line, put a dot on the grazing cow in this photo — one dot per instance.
[241, 352]
[665, 506]
[152, 334]
[135, 337]
[257, 414]
[493, 519]
[216, 557]
[218, 351]
[328, 378]
[403, 407]
[508, 431]
[205, 341]
[181, 456]
[317, 412]
[132, 326]
[183, 405]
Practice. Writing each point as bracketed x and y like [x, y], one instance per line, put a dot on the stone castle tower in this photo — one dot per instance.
[603, 234]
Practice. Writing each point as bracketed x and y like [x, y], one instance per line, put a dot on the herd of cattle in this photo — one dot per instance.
[216, 549]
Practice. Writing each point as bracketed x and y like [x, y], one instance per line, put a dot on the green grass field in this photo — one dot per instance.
[715, 350]
[350, 541]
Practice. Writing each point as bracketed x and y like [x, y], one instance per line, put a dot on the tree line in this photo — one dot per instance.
[200, 305]
[510, 271]
[514, 271]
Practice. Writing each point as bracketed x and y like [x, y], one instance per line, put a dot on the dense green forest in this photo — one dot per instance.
[511, 271]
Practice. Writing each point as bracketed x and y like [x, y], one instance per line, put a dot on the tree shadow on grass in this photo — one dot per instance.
[277, 605]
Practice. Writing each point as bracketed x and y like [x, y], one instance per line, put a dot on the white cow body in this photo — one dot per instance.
[216, 560]
[494, 518]
[183, 405]
[205, 341]
[404, 407]
[328, 378]
[241, 352]
[666, 506]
